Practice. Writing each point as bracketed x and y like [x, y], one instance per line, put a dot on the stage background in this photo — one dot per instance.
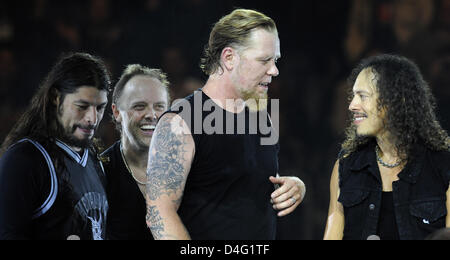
[321, 41]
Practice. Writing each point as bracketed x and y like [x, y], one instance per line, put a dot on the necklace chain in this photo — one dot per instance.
[128, 168]
[388, 165]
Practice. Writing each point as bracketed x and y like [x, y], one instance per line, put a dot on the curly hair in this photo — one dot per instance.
[409, 105]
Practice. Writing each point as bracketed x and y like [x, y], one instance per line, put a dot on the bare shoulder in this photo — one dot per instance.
[334, 182]
[170, 157]
[335, 173]
[172, 132]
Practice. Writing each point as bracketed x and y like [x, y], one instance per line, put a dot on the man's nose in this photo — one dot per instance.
[273, 71]
[92, 116]
[354, 105]
[151, 114]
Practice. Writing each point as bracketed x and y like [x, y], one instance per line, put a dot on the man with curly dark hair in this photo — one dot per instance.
[391, 180]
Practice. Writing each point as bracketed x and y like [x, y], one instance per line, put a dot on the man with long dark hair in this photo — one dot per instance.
[51, 180]
[391, 180]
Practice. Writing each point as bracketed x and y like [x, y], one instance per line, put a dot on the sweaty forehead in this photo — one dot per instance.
[143, 81]
[88, 94]
[366, 81]
[143, 88]
[264, 42]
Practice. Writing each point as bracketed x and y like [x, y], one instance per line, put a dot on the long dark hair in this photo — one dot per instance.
[67, 75]
[39, 121]
[409, 103]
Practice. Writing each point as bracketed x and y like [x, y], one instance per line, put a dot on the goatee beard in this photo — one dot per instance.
[66, 136]
[71, 140]
[254, 101]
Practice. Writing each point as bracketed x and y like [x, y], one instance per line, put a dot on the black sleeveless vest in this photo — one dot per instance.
[227, 193]
[419, 195]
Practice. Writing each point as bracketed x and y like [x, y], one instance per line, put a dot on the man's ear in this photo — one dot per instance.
[116, 113]
[56, 97]
[229, 58]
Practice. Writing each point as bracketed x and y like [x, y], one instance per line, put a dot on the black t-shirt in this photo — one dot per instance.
[387, 224]
[127, 207]
[37, 204]
[227, 192]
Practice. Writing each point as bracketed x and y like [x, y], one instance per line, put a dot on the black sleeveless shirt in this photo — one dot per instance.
[127, 208]
[38, 203]
[227, 193]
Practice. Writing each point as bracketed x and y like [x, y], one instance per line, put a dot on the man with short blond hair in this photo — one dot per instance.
[139, 99]
[219, 184]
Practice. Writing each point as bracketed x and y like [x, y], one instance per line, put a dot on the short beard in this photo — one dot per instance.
[68, 138]
[66, 135]
[133, 135]
[254, 101]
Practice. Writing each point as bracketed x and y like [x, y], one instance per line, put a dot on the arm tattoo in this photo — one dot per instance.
[154, 221]
[166, 168]
[166, 175]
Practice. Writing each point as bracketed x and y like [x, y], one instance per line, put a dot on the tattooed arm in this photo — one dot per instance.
[171, 153]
